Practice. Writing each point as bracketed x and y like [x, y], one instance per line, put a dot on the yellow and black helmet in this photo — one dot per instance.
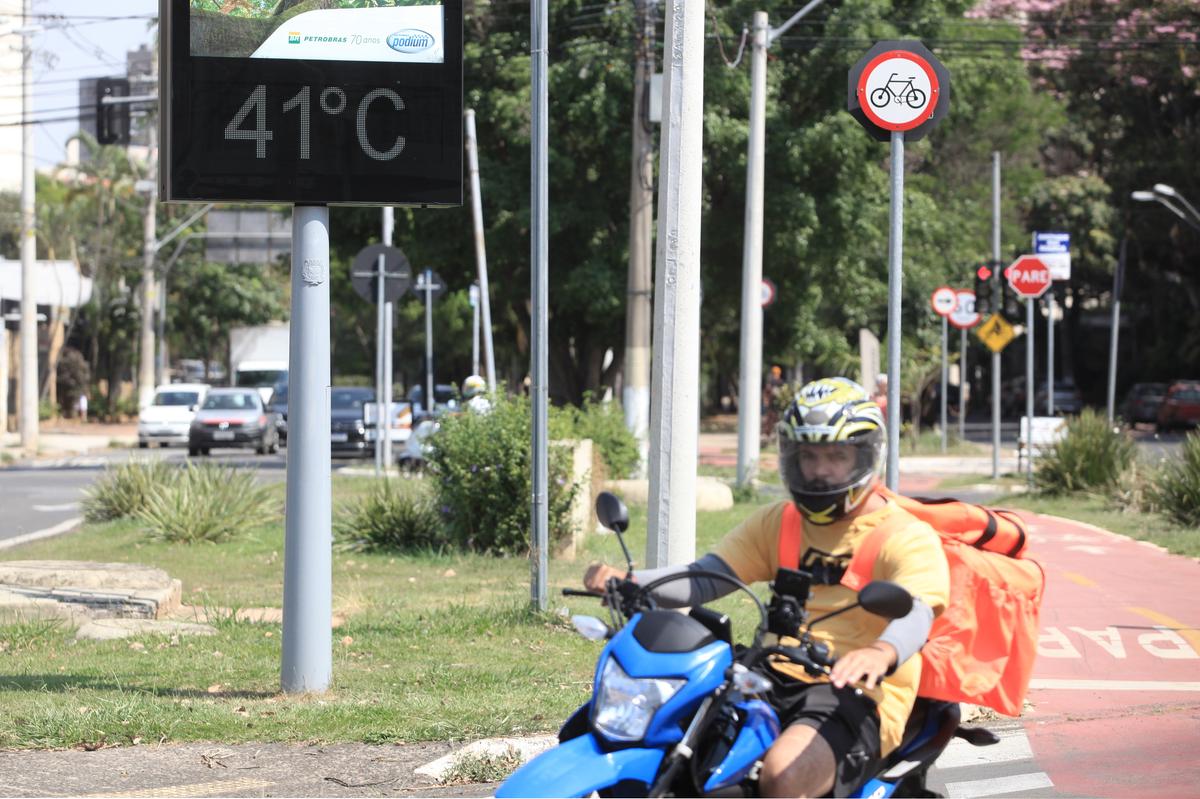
[831, 448]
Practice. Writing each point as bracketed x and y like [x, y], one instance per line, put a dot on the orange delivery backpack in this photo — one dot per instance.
[982, 647]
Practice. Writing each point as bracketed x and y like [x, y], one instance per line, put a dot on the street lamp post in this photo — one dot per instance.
[1172, 201]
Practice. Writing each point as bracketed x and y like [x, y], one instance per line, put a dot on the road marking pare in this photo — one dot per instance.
[1162, 643]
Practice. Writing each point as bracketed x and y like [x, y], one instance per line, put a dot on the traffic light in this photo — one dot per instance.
[984, 281]
[112, 119]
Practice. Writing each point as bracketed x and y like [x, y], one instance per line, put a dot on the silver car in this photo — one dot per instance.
[233, 417]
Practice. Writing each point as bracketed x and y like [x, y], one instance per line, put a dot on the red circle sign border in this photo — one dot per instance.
[978, 316]
[938, 291]
[925, 114]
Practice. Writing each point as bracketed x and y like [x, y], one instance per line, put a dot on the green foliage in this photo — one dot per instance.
[207, 503]
[73, 378]
[29, 634]
[1175, 489]
[124, 490]
[473, 769]
[46, 410]
[401, 518]
[481, 465]
[1090, 457]
[604, 424]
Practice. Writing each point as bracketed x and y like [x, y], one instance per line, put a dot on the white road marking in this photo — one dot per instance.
[1114, 685]
[1090, 549]
[1013, 745]
[56, 508]
[58, 529]
[1017, 783]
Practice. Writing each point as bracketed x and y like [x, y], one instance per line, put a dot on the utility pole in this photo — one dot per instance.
[750, 372]
[384, 424]
[480, 254]
[996, 296]
[29, 327]
[149, 231]
[639, 306]
[675, 408]
[539, 256]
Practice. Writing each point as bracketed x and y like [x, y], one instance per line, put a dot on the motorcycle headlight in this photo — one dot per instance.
[625, 705]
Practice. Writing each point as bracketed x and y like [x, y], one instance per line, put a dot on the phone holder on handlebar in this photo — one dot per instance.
[789, 594]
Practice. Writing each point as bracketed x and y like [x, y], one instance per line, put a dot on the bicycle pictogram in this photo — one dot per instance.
[907, 94]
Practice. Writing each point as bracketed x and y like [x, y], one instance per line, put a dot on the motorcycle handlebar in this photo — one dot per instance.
[577, 592]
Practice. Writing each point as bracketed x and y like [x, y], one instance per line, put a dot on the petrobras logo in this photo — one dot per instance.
[410, 40]
[293, 37]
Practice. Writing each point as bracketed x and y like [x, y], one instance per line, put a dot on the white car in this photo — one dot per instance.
[168, 417]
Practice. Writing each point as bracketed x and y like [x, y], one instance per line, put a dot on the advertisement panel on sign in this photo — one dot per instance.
[1055, 251]
[347, 102]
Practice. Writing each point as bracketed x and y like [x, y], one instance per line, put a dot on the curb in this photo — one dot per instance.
[49, 532]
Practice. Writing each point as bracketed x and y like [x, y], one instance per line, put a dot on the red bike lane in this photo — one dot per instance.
[1116, 688]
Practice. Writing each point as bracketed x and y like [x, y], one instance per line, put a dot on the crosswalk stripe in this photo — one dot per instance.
[960, 753]
[995, 786]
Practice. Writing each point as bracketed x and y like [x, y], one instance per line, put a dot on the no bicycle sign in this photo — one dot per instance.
[898, 87]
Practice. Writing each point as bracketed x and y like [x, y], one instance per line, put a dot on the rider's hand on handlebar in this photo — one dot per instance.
[598, 575]
[868, 664]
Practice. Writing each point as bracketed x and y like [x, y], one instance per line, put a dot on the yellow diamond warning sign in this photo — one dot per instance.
[996, 332]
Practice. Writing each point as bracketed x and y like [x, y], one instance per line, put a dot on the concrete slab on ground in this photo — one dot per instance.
[77, 591]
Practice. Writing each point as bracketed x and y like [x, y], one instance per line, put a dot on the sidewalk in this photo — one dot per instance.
[64, 438]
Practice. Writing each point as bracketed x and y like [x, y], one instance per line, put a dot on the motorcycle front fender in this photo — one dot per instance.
[578, 767]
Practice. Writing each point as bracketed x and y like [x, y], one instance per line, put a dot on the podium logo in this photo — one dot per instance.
[410, 40]
[293, 37]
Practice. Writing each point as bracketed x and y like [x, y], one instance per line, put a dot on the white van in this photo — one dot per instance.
[167, 418]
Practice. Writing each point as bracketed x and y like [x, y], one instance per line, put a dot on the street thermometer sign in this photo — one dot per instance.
[964, 316]
[1028, 276]
[337, 103]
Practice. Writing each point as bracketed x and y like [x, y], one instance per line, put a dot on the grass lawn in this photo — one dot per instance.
[435, 647]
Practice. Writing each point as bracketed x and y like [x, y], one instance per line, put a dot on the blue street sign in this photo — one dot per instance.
[1051, 243]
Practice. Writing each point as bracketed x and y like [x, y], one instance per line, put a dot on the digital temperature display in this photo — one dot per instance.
[367, 110]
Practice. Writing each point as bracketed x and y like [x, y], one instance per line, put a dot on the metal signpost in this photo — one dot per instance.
[363, 107]
[943, 301]
[1055, 251]
[1029, 278]
[964, 317]
[372, 263]
[897, 90]
[429, 287]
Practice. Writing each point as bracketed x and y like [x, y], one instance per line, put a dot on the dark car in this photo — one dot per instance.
[232, 417]
[349, 434]
[1143, 401]
[277, 406]
[1181, 406]
[445, 399]
[1067, 399]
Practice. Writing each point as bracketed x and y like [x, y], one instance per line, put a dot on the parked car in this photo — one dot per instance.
[277, 407]
[445, 400]
[1067, 399]
[1180, 407]
[169, 415]
[348, 430]
[232, 417]
[1142, 402]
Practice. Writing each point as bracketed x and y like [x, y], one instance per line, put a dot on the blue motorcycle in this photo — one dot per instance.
[678, 710]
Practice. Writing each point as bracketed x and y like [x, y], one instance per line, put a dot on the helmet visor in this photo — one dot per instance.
[828, 467]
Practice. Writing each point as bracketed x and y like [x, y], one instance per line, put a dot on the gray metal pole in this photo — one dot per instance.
[945, 376]
[475, 330]
[962, 385]
[895, 286]
[540, 294]
[379, 358]
[3, 378]
[307, 566]
[480, 252]
[639, 281]
[996, 295]
[750, 378]
[28, 398]
[160, 372]
[146, 358]
[1050, 352]
[430, 397]
[1118, 281]
[1029, 303]
[675, 388]
[385, 423]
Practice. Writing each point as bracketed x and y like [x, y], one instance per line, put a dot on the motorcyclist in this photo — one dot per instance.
[831, 451]
[474, 391]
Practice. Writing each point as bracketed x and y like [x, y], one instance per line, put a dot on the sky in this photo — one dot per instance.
[90, 44]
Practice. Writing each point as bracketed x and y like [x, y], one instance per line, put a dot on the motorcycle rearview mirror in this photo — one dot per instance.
[885, 599]
[613, 514]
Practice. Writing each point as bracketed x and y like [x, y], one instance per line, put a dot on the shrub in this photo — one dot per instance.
[123, 491]
[402, 518]
[207, 503]
[1175, 489]
[1091, 456]
[604, 424]
[483, 480]
[74, 374]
